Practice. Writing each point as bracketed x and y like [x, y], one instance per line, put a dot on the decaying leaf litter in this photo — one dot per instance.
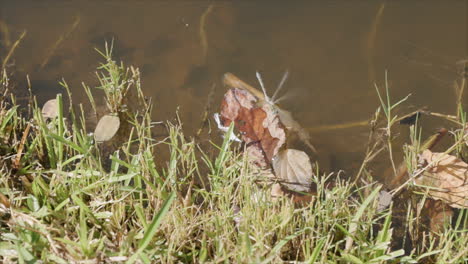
[454, 193]
[292, 168]
[264, 127]
[264, 131]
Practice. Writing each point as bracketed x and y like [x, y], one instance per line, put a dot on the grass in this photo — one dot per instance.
[68, 199]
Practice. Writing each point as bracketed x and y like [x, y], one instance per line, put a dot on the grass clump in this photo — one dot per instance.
[67, 199]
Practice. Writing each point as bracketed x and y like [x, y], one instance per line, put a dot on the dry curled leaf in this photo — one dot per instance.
[446, 177]
[106, 128]
[293, 169]
[259, 127]
[49, 110]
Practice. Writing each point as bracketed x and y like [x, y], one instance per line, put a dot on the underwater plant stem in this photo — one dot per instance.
[339, 126]
[59, 41]
[5, 33]
[460, 92]
[202, 32]
[12, 50]
[370, 43]
[206, 112]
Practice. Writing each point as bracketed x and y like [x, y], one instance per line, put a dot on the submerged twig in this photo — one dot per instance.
[231, 80]
[459, 89]
[339, 126]
[202, 32]
[59, 41]
[12, 50]
[370, 47]
[206, 111]
[6, 34]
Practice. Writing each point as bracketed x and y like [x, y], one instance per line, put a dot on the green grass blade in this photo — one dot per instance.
[152, 228]
[354, 223]
[316, 253]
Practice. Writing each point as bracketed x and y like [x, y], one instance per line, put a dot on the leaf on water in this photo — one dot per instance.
[294, 170]
[49, 110]
[447, 178]
[285, 117]
[260, 127]
[106, 128]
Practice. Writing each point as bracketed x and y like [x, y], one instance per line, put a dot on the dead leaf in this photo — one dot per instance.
[439, 214]
[276, 191]
[256, 155]
[17, 161]
[293, 169]
[106, 128]
[259, 127]
[49, 110]
[4, 200]
[284, 116]
[447, 178]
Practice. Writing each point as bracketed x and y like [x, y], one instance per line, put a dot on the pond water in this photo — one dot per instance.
[334, 51]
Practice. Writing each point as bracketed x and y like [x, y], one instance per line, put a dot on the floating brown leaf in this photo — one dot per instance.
[447, 178]
[49, 110]
[293, 168]
[106, 128]
[260, 127]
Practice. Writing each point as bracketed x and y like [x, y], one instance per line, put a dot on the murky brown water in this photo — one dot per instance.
[325, 45]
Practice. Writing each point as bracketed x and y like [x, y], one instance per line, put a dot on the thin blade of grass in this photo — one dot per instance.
[152, 228]
[316, 253]
[276, 249]
[68, 143]
[354, 223]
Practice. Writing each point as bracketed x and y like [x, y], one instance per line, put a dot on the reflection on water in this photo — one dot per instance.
[183, 48]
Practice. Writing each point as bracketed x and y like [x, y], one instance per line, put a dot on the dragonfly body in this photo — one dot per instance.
[285, 116]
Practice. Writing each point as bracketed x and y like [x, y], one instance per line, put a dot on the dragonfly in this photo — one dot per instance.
[285, 117]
